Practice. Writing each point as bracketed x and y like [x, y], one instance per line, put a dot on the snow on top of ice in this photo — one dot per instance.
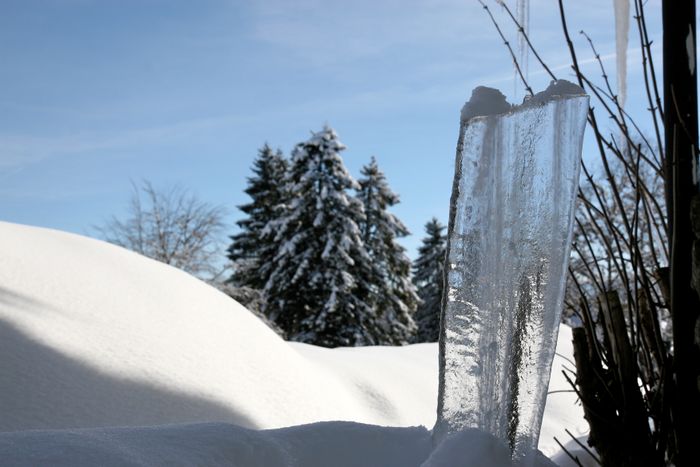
[556, 89]
[487, 101]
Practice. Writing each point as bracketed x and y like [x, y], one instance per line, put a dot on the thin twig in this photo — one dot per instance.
[510, 49]
[521, 30]
[585, 448]
[573, 458]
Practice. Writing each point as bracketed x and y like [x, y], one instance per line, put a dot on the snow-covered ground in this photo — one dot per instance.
[92, 335]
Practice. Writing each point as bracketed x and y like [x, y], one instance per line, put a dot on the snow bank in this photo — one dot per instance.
[337, 444]
[318, 445]
[323, 444]
[95, 335]
[92, 335]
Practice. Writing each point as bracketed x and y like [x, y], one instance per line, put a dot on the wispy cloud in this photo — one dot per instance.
[324, 33]
[17, 150]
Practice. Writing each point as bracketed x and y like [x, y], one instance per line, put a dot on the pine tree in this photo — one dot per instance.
[251, 251]
[388, 288]
[311, 293]
[428, 277]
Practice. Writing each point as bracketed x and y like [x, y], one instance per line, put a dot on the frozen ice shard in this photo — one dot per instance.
[509, 236]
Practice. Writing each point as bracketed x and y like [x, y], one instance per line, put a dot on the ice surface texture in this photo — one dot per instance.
[509, 236]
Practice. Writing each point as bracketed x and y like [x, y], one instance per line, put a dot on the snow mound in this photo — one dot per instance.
[317, 445]
[337, 444]
[93, 335]
[473, 447]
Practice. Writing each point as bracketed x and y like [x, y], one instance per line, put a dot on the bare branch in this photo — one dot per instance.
[171, 226]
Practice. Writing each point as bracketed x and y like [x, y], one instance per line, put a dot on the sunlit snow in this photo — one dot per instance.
[96, 336]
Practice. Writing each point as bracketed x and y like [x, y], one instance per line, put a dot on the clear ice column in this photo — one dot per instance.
[509, 236]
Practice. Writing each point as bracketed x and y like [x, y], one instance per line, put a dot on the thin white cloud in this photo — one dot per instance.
[17, 150]
[331, 36]
[324, 33]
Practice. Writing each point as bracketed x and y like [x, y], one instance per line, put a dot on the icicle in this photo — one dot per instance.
[511, 218]
[523, 16]
[622, 28]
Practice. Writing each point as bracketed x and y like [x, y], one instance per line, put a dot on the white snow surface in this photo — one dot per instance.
[95, 336]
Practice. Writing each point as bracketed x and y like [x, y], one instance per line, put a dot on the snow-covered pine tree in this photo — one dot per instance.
[250, 251]
[311, 293]
[428, 277]
[388, 288]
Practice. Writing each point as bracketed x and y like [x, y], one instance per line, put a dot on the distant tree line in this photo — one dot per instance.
[316, 256]
[317, 252]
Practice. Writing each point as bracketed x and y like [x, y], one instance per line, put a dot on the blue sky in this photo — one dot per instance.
[97, 93]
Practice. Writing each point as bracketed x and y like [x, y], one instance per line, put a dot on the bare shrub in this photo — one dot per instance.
[171, 226]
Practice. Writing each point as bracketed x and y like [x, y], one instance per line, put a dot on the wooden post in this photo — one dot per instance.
[681, 137]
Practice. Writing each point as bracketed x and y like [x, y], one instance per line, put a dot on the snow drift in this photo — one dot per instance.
[95, 335]
[92, 335]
